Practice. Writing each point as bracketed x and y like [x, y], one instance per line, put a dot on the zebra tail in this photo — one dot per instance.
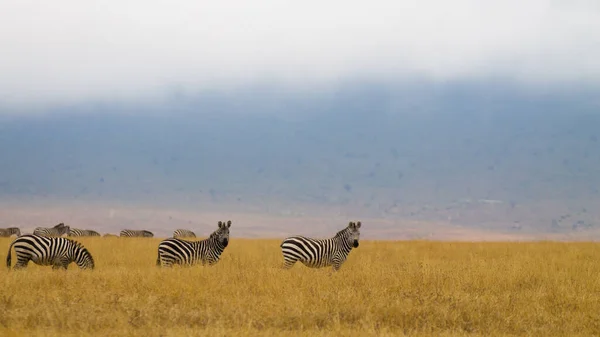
[158, 260]
[9, 257]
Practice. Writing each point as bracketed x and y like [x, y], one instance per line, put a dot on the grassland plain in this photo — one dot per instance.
[385, 288]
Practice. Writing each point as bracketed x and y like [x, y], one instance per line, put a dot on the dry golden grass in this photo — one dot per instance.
[385, 288]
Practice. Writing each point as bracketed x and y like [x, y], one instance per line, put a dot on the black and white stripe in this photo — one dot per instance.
[176, 251]
[58, 230]
[7, 232]
[183, 233]
[130, 233]
[49, 251]
[315, 253]
[82, 232]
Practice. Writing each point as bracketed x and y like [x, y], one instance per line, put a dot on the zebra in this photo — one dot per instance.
[57, 230]
[82, 232]
[135, 233]
[7, 232]
[49, 251]
[183, 233]
[108, 235]
[176, 251]
[316, 253]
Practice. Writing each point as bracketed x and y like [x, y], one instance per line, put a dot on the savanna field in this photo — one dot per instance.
[384, 288]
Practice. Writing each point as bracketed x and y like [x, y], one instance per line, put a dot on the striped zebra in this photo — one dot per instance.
[82, 232]
[316, 253]
[130, 233]
[49, 251]
[7, 232]
[183, 233]
[176, 251]
[57, 230]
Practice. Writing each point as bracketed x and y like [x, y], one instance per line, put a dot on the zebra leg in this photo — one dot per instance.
[60, 263]
[288, 262]
[167, 263]
[22, 262]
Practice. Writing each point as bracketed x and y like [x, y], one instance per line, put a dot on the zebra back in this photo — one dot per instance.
[183, 233]
[55, 251]
[136, 233]
[57, 230]
[7, 232]
[82, 232]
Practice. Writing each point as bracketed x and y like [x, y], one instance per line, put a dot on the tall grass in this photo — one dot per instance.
[384, 288]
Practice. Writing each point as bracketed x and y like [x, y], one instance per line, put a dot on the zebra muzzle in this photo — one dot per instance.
[225, 242]
[355, 244]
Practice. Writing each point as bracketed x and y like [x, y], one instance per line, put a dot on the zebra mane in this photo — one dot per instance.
[213, 234]
[341, 233]
[76, 243]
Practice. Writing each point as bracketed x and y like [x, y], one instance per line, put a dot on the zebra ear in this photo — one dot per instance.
[220, 224]
[358, 224]
[351, 224]
[228, 223]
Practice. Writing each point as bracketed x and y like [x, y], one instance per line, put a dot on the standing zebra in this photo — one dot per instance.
[57, 230]
[176, 251]
[7, 232]
[49, 251]
[82, 232]
[130, 233]
[316, 253]
[183, 233]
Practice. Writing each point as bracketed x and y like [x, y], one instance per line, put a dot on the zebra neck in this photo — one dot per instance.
[214, 242]
[343, 243]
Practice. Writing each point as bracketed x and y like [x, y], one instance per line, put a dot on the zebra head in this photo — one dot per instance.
[221, 235]
[353, 233]
[82, 257]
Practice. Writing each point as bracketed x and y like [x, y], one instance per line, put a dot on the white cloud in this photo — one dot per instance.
[64, 51]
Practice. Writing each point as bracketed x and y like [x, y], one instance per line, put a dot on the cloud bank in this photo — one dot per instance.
[73, 51]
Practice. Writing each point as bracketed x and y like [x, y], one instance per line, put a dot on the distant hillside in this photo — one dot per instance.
[483, 156]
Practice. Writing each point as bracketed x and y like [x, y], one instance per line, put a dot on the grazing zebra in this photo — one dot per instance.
[49, 251]
[82, 232]
[57, 230]
[176, 251]
[316, 253]
[7, 232]
[130, 233]
[183, 233]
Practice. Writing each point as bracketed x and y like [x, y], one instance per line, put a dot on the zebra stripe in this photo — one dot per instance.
[176, 251]
[82, 232]
[183, 233]
[130, 233]
[7, 232]
[49, 251]
[316, 253]
[57, 230]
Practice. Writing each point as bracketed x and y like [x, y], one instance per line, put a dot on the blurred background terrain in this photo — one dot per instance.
[459, 160]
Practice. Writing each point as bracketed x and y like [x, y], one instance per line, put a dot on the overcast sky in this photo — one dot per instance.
[76, 51]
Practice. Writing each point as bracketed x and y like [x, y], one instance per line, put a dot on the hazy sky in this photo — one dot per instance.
[74, 51]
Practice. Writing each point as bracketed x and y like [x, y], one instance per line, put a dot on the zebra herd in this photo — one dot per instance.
[46, 247]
